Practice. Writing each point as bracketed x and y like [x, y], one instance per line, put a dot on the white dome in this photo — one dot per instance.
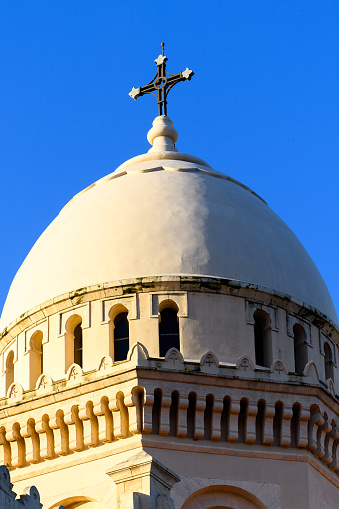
[165, 213]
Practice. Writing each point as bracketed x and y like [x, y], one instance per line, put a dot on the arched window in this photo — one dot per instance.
[262, 338]
[35, 358]
[328, 361]
[9, 369]
[300, 348]
[78, 344]
[121, 336]
[168, 328]
[73, 342]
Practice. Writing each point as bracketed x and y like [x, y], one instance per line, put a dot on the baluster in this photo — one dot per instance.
[5, 450]
[330, 438]
[303, 430]
[18, 446]
[114, 406]
[132, 414]
[32, 445]
[90, 424]
[233, 422]
[268, 435]
[46, 438]
[61, 437]
[75, 430]
[218, 406]
[105, 421]
[147, 410]
[164, 425]
[335, 463]
[321, 436]
[286, 427]
[315, 421]
[250, 432]
[182, 415]
[199, 428]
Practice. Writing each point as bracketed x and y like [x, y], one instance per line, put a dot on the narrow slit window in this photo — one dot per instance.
[78, 345]
[328, 361]
[168, 331]
[9, 369]
[121, 337]
[300, 348]
[262, 339]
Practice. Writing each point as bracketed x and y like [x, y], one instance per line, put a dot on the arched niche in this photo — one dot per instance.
[9, 369]
[35, 353]
[168, 326]
[77, 502]
[119, 332]
[73, 341]
[300, 348]
[223, 497]
[262, 338]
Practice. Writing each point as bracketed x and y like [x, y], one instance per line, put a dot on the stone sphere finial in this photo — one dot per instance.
[162, 135]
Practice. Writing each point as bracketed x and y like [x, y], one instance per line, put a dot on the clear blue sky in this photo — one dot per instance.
[262, 107]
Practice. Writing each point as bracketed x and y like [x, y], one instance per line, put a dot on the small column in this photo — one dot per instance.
[147, 412]
[251, 422]
[182, 415]
[268, 436]
[233, 424]
[218, 407]
[164, 427]
[303, 433]
[286, 427]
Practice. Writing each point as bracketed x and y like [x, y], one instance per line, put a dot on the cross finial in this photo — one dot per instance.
[162, 82]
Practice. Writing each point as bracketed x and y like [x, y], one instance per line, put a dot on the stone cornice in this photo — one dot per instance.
[197, 283]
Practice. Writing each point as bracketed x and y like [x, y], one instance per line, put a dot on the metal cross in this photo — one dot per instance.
[162, 83]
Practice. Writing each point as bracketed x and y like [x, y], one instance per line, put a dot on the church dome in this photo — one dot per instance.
[165, 213]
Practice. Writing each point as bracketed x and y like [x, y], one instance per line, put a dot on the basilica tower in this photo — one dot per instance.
[168, 342]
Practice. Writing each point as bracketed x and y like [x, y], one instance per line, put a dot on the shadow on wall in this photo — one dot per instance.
[226, 497]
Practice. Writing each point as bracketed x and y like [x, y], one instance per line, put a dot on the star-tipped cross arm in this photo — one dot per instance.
[162, 83]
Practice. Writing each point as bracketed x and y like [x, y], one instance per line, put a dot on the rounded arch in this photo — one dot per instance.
[9, 370]
[35, 358]
[300, 347]
[169, 336]
[72, 322]
[77, 501]
[73, 341]
[262, 338]
[119, 332]
[328, 361]
[223, 497]
[170, 304]
[116, 309]
[10, 360]
[35, 342]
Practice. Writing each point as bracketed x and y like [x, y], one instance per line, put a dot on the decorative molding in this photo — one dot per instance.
[173, 359]
[325, 339]
[15, 392]
[272, 311]
[180, 298]
[74, 374]
[138, 354]
[83, 310]
[209, 363]
[42, 326]
[245, 366]
[44, 383]
[130, 302]
[293, 320]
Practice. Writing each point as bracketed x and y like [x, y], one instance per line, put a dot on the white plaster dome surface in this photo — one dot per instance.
[165, 213]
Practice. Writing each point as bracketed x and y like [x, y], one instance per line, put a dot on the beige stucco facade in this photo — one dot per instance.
[244, 413]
